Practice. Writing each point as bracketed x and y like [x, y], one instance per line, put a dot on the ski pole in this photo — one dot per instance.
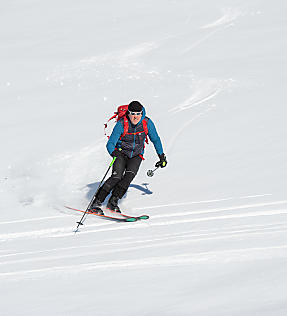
[92, 200]
[150, 173]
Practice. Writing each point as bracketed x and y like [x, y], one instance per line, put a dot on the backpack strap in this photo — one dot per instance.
[126, 126]
[145, 120]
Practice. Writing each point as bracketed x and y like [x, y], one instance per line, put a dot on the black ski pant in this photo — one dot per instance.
[124, 171]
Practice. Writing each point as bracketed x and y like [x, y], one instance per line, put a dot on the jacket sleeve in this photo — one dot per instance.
[115, 136]
[153, 135]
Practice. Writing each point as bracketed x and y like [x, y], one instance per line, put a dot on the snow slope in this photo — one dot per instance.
[212, 76]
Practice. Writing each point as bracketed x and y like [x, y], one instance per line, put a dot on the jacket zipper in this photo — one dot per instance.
[134, 142]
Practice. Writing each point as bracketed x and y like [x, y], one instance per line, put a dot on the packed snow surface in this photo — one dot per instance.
[212, 76]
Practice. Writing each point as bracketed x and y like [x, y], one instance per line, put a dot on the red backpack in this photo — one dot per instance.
[121, 113]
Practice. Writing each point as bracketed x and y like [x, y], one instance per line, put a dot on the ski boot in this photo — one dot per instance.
[96, 208]
[113, 204]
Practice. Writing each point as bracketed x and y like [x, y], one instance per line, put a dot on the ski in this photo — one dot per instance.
[112, 218]
[128, 216]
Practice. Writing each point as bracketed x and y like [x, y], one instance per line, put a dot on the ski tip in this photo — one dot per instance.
[144, 217]
[131, 219]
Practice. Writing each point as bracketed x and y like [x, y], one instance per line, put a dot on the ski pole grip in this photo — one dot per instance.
[113, 161]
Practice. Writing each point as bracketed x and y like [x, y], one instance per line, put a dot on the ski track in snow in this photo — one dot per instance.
[32, 219]
[228, 18]
[209, 257]
[203, 202]
[158, 220]
[184, 126]
[200, 233]
[50, 261]
[124, 65]
[203, 90]
[230, 15]
[207, 89]
[187, 238]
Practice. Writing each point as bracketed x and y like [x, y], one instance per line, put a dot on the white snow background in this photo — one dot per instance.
[212, 75]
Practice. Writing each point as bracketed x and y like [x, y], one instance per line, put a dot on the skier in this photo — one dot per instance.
[126, 143]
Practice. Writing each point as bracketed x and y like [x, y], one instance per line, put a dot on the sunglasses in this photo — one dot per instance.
[135, 113]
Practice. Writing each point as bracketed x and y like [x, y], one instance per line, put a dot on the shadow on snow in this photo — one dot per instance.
[142, 188]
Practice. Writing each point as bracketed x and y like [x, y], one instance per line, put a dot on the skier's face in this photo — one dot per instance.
[135, 117]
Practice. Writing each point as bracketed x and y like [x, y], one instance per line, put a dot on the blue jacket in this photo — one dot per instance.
[132, 144]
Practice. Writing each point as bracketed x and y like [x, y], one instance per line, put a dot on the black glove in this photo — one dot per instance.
[116, 153]
[162, 163]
